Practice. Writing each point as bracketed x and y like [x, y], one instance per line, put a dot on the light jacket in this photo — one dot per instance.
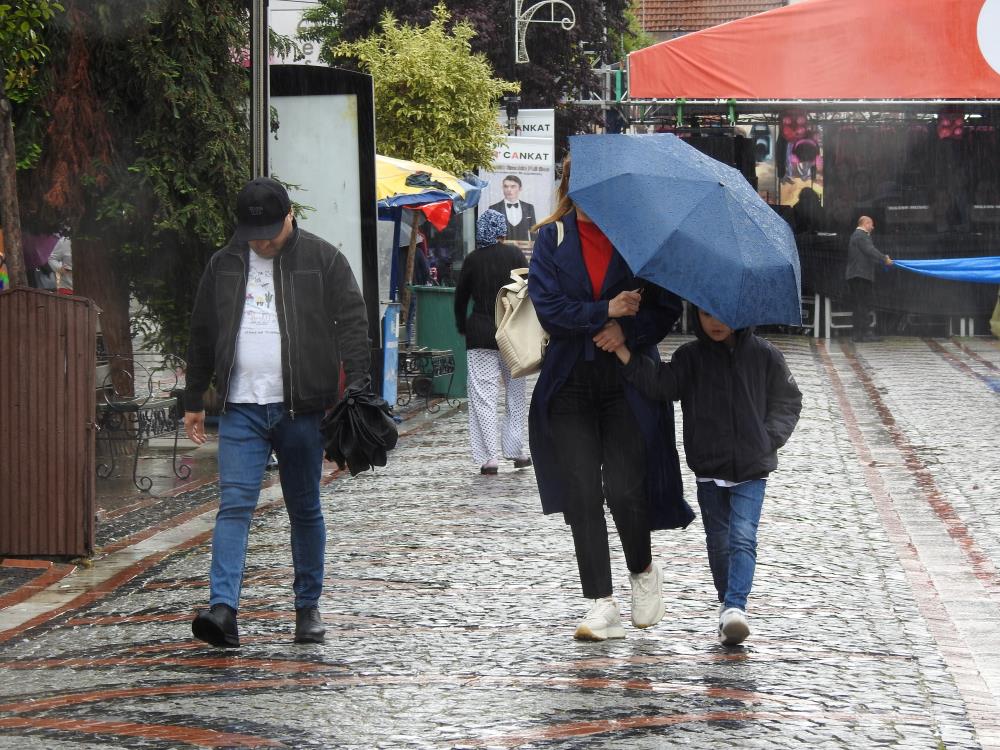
[321, 317]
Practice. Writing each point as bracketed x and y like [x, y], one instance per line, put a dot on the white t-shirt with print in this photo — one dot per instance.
[257, 366]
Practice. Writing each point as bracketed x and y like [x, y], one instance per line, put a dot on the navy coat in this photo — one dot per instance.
[561, 292]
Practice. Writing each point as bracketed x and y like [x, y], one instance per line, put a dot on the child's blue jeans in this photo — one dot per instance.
[730, 516]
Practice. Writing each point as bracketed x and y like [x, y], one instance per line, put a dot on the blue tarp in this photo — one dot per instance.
[983, 270]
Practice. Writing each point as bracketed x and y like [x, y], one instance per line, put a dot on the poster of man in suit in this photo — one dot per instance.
[520, 214]
[522, 183]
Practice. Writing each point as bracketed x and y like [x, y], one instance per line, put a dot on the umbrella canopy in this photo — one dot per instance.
[690, 224]
[408, 184]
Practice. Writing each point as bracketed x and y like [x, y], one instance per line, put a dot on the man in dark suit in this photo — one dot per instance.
[862, 260]
[520, 215]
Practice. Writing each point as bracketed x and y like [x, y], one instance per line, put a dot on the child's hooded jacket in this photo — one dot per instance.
[740, 405]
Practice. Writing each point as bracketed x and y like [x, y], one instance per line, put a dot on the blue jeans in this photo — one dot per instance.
[247, 434]
[730, 516]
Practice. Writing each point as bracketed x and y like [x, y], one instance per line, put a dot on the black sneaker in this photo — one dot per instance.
[309, 626]
[522, 463]
[217, 626]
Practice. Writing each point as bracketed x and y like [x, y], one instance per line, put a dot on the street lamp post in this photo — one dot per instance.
[259, 95]
[512, 101]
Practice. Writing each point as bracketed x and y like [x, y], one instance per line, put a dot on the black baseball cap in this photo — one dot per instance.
[261, 208]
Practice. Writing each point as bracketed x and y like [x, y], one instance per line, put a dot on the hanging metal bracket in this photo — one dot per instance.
[524, 17]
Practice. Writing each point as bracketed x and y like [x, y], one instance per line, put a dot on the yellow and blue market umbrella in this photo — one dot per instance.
[408, 184]
[402, 184]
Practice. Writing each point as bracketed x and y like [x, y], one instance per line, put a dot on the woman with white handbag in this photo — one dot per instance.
[485, 270]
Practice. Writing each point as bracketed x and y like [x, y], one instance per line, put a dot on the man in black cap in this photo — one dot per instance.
[278, 313]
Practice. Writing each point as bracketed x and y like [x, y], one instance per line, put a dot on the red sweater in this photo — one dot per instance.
[597, 251]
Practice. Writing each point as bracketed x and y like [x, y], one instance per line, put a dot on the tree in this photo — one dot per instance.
[323, 23]
[562, 61]
[435, 100]
[21, 52]
[144, 149]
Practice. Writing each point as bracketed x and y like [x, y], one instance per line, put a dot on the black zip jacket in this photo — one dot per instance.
[483, 273]
[321, 317]
[740, 405]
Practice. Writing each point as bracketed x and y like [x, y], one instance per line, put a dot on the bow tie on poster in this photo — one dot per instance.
[513, 205]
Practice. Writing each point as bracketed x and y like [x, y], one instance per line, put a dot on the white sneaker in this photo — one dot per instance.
[647, 596]
[603, 621]
[733, 627]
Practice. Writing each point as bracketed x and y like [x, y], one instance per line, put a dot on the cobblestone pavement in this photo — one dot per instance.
[451, 601]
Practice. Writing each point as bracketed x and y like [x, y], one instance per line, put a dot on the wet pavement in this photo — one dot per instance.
[450, 600]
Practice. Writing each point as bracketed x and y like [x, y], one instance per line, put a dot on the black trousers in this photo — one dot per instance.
[602, 455]
[861, 299]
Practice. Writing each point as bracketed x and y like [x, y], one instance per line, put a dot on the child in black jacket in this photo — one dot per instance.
[740, 404]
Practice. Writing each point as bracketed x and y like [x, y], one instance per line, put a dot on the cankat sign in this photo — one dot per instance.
[506, 154]
[531, 123]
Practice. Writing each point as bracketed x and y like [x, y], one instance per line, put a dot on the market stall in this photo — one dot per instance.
[437, 363]
[887, 108]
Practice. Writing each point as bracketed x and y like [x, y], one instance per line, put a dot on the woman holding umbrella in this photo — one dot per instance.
[591, 432]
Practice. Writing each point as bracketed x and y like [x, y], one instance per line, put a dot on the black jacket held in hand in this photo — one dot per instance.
[740, 405]
[321, 316]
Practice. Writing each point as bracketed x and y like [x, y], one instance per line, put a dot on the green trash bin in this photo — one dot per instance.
[436, 330]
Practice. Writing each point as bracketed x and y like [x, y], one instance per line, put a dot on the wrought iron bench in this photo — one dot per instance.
[418, 367]
[137, 400]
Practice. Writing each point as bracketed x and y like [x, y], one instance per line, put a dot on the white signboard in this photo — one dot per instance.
[321, 164]
[285, 18]
[521, 184]
[531, 123]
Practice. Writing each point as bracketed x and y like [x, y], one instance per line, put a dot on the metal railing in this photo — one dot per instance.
[138, 400]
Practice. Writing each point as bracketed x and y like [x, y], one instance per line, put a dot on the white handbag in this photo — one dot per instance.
[520, 337]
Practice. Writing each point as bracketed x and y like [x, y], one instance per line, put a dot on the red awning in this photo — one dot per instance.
[833, 49]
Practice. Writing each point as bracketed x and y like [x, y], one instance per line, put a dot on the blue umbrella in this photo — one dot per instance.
[690, 224]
